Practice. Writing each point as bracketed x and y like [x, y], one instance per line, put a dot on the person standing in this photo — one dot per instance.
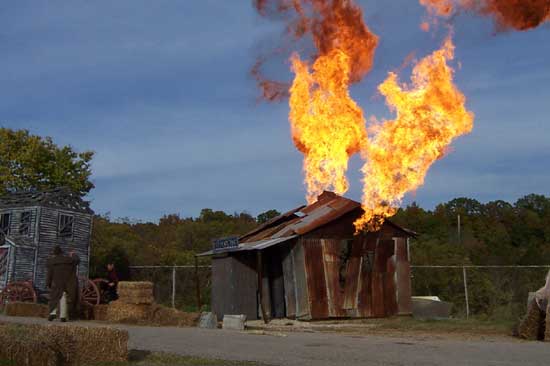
[61, 281]
[112, 283]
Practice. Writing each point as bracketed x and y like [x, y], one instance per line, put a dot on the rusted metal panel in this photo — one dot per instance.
[365, 297]
[384, 251]
[303, 309]
[353, 277]
[403, 277]
[316, 283]
[390, 301]
[378, 304]
[335, 280]
[290, 284]
[401, 252]
[404, 291]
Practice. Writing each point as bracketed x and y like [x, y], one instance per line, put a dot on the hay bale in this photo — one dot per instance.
[30, 345]
[134, 285]
[22, 347]
[547, 331]
[164, 316]
[27, 309]
[118, 311]
[136, 296]
[87, 345]
[531, 326]
[99, 312]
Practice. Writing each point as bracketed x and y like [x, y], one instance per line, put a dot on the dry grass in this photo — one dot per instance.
[163, 316]
[531, 326]
[141, 358]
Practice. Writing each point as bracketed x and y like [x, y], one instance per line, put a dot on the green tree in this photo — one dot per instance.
[266, 216]
[32, 162]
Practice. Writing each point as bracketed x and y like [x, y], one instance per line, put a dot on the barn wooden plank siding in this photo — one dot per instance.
[313, 266]
[34, 230]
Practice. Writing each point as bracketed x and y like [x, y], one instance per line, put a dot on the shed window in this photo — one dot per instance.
[65, 226]
[25, 224]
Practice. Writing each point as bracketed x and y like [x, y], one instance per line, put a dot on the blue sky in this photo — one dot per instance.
[161, 92]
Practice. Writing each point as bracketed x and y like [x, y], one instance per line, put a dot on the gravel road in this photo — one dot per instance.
[321, 349]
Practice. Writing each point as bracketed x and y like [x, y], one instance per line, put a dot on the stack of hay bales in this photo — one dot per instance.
[28, 309]
[133, 304]
[532, 325]
[62, 345]
[136, 305]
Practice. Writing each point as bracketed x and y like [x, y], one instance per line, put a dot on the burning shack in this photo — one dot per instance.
[308, 264]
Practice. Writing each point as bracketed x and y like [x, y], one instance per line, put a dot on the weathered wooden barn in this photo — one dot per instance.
[32, 223]
[308, 264]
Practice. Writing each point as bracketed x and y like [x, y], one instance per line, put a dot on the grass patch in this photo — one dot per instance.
[460, 326]
[144, 358]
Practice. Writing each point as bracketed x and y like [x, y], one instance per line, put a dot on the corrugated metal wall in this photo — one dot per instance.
[361, 277]
[235, 285]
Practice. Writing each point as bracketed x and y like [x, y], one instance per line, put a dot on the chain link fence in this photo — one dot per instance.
[486, 292]
[183, 287]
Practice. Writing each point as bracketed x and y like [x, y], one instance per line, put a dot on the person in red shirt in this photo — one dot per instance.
[112, 283]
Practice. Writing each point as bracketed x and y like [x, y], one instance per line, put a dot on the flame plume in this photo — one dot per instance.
[508, 14]
[327, 125]
[430, 113]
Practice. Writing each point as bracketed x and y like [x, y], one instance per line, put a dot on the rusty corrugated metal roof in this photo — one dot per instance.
[301, 220]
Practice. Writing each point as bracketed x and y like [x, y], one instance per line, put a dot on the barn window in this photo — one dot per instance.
[5, 219]
[65, 226]
[25, 224]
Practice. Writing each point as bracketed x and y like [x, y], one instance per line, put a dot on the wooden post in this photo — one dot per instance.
[260, 284]
[198, 284]
[466, 292]
[174, 286]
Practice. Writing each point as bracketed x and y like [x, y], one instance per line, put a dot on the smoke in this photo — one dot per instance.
[329, 24]
[519, 15]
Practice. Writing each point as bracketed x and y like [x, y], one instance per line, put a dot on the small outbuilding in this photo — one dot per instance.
[31, 224]
[307, 264]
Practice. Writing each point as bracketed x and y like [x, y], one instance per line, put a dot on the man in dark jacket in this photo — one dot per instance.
[62, 282]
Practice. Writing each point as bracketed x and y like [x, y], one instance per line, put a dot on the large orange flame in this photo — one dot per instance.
[327, 126]
[430, 113]
[516, 14]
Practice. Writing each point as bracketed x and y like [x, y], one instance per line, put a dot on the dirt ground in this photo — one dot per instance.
[397, 327]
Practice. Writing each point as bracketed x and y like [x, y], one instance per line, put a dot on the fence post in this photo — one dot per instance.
[174, 286]
[198, 284]
[466, 292]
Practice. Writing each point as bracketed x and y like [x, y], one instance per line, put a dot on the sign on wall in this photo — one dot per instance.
[225, 243]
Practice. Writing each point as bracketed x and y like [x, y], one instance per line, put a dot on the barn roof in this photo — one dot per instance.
[58, 198]
[302, 220]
